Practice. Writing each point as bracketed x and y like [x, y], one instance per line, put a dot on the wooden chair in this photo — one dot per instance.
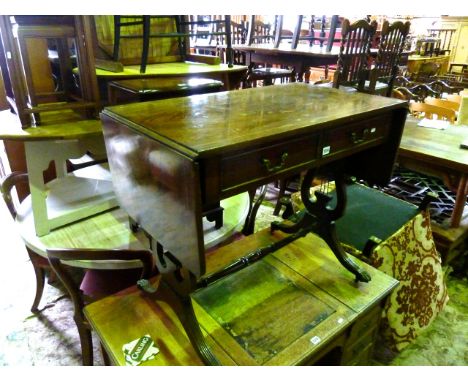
[425, 110]
[238, 37]
[39, 263]
[51, 68]
[220, 35]
[58, 259]
[441, 87]
[50, 64]
[352, 67]
[443, 103]
[174, 35]
[456, 98]
[284, 34]
[418, 93]
[260, 33]
[324, 37]
[391, 45]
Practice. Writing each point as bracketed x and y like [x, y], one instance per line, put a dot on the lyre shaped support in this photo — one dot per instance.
[319, 218]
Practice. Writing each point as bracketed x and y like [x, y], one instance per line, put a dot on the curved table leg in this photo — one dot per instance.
[249, 224]
[181, 287]
[319, 218]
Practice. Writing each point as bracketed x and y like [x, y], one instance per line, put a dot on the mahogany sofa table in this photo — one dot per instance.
[171, 159]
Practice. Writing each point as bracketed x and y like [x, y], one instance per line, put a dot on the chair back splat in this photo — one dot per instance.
[59, 257]
[429, 111]
[389, 53]
[353, 60]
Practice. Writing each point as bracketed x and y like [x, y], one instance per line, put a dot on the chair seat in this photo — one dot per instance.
[348, 89]
[370, 212]
[272, 72]
[99, 283]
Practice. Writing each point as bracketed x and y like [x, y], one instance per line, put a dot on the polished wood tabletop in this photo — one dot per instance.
[438, 147]
[53, 127]
[204, 125]
[170, 69]
[165, 84]
[174, 157]
[110, 229]
[285, 49]
[229, 76]
[438, 152]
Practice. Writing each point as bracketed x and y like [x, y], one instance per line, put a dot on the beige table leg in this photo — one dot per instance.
[460, 201]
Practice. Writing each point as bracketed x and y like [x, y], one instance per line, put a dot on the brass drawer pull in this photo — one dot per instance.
[355, 139]
[270, 168]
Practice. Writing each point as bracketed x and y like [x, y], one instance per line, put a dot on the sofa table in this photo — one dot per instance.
[172, 159]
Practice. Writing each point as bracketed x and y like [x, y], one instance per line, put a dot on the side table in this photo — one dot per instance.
[145, 89]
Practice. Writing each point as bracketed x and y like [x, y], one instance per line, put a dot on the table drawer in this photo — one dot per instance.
[267, 162]
[364, 325]
[352, 136]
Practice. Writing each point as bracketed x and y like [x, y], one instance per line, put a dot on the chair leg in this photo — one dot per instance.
[40, 281]
[281, 192]
[86, 342]
[105, 357]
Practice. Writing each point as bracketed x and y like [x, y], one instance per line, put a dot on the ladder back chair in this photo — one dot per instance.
[219, 34]
[323, 36]
[353, 60]
[174, 34]
[392, 41]
[260, 33]
[421, 109]
[58, 259]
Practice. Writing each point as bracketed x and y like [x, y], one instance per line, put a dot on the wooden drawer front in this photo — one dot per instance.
[361, 338]
[265, 163]
[352, 136]
[364, 325]
[359, 356]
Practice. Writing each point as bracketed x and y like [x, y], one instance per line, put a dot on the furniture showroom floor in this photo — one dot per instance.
[50, 337]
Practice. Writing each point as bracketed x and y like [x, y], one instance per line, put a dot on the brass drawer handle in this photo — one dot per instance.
[270, 168]
[355, 139]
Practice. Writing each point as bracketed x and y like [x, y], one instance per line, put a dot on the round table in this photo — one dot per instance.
[110, 229]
